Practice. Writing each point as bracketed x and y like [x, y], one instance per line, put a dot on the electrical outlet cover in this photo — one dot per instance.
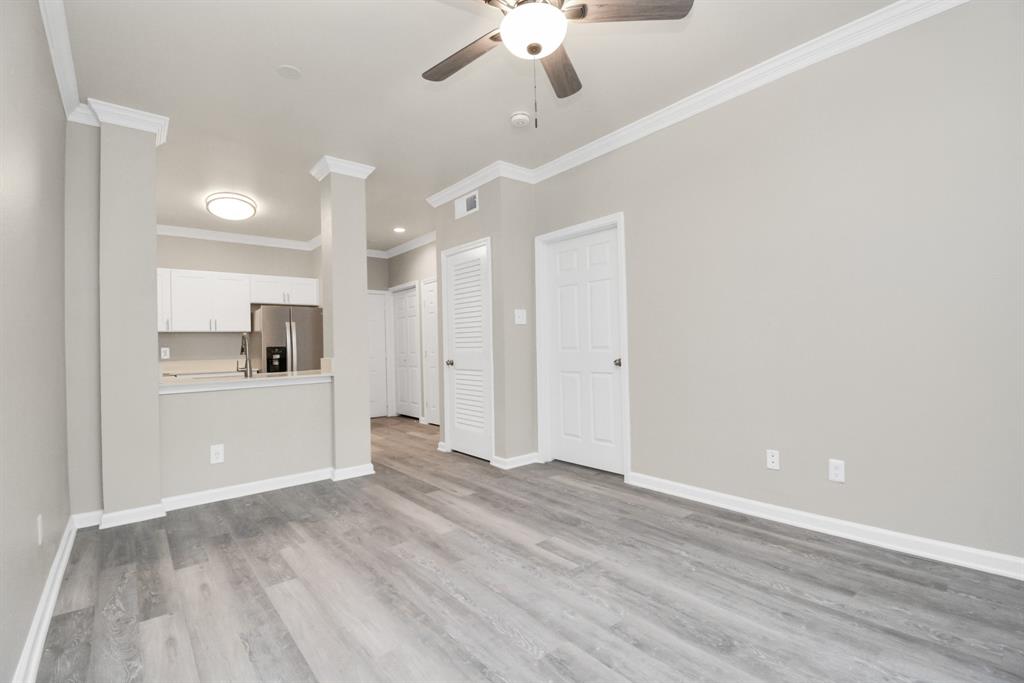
[837, 470]
[216, 453]
[773, 460]
[165, 352]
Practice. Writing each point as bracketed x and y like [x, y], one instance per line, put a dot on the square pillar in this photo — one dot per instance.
[343, 285]
[129, 370]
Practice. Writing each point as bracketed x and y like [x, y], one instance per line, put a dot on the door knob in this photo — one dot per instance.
[449, 363]
[617, 362]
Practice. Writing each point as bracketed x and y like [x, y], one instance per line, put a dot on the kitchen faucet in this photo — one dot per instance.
[245, 351]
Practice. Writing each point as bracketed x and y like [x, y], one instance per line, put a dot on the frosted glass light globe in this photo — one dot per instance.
[533, 30]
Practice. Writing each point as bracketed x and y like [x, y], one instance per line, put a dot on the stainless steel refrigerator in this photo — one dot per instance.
[286, 338]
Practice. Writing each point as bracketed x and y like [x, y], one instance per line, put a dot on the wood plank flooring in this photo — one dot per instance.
[443, 568]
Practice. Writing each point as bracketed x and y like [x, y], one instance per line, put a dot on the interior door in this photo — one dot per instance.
[582, 339]
[468, 370]
[431, 372]
[378, 355]
[407, 352]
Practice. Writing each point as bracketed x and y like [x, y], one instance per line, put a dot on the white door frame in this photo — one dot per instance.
[542, 246]
[423, 352]
[444, 446]
[387, 344]
[389, 313]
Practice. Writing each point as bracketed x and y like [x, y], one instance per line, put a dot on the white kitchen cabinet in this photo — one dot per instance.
[204, 301]
[275, 289]
[163, 299]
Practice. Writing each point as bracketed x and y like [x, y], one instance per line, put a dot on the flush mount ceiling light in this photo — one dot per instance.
[533, 30]
[230, 206]
[399, 229]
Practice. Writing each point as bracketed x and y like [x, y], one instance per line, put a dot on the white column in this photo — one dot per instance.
[129, 370]
[343, 285]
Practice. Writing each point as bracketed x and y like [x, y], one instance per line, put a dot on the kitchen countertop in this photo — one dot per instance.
[191, 384]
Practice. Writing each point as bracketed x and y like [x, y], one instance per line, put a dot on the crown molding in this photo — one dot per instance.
[237, 238]
[328, 164]
[55, 25]
[117, 115]
[499, 169]
[84, 114]
[882, 22]
[414, 243]
[280, 242]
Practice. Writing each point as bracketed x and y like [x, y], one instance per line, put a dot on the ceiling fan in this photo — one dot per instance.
[535, 29]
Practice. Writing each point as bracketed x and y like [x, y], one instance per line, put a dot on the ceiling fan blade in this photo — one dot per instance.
[594, 11]
[477, 48]
[561, 73]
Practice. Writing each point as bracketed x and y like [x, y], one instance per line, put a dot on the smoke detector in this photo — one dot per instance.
[520, 119]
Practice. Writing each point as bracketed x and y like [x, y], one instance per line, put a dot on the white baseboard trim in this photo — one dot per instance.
[187, 500]
[32, 652]
[132, 515]
[443, 447]
[352, 472]
[964, 556]
[87, 519]
[517, 461]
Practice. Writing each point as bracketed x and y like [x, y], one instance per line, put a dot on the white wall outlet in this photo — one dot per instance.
[165, 352]
[520, 316]
[837, 470]
[772, 459]
[39, 529]
[216, 453]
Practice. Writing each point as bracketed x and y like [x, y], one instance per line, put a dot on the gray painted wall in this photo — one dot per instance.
[376, 273]
[248, 423]
[831, 266]
[82, 265]
[191, 254]
[414, 265]
[33, 457]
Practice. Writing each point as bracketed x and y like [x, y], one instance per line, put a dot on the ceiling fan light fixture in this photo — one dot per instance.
[533, 30]
[230, 206]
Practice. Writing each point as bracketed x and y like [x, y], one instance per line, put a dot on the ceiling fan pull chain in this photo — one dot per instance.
[536, 121]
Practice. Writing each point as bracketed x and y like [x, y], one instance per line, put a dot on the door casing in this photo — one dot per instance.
[542, 246]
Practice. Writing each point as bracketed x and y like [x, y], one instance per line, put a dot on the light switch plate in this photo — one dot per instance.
[165, 352]
[520, 316]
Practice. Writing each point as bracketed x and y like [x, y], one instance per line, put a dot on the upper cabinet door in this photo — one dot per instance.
[230, 295]
[303, 291]
[192, 306]
[268, 289]
[163, 299]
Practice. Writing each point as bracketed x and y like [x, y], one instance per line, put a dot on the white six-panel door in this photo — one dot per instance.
[468, 369]
[431, 371]
[582, 377]
[378, 354]
[407, 352]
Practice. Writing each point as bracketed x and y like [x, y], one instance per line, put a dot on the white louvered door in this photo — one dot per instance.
[431, 373]
[468, 371]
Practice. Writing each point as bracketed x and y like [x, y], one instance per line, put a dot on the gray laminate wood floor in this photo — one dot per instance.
[442, 568]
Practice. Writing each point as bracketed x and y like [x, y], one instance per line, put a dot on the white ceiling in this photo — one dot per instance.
[236, 125]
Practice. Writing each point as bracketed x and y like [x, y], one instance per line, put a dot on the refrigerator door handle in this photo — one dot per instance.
[295, 348]
[288, 345]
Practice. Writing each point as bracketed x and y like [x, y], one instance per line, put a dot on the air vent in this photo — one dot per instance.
[467, 204]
